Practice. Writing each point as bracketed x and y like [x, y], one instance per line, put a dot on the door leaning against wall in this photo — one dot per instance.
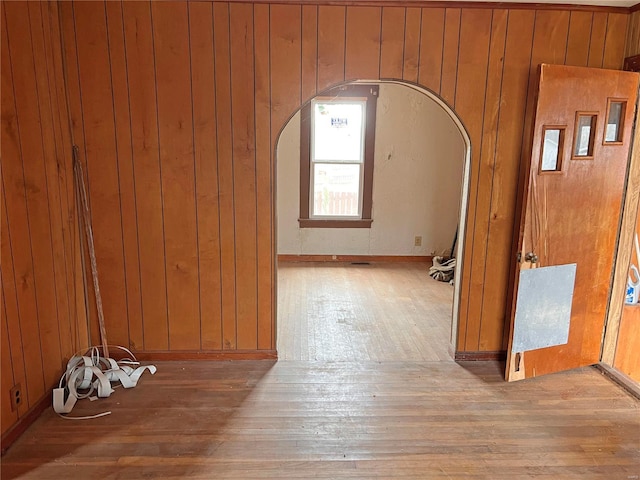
[568, 228]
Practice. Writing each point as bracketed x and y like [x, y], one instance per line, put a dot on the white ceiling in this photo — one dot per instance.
[610, 3]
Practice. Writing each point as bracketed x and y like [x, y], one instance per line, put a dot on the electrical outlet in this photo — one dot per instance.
[16, 397]
[417, 241]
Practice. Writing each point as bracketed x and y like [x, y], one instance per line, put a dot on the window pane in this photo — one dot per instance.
[551, 149]
[585, 130]
[336, 189]
[338, 131]
[613, 132]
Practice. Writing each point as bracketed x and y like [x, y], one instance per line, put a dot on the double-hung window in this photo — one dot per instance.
[337, 138]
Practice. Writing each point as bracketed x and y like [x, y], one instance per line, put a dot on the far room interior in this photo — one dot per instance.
[417, 184]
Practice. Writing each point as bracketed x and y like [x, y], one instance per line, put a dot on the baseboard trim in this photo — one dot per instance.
[208, 355]
[357, 258]
[626, 382]
[24, 422]
[499, 355]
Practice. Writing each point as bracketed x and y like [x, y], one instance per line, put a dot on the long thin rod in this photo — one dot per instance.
[77, 167]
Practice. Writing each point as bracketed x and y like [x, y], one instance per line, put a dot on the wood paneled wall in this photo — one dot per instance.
[177, 107]
[633, 36]
[43, 313]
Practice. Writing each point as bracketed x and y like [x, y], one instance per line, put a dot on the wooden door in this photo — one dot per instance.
[568, 227]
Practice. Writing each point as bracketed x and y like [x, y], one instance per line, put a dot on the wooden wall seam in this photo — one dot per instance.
[306, 48]
[42, 324]
[178, 128]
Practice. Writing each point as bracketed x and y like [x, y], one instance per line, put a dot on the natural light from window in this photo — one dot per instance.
[338, 128]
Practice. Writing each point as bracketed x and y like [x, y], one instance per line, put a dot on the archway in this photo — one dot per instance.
[464, 186]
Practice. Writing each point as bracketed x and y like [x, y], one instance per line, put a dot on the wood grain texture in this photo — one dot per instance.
[450, 52]
[380, 312]
[593, 218]
[226, 194]
[362, 49]
[143, 121]
[170, 26]
[244, 174]
[200, 175]
[264, 169]
[40, 271]
[431, 48]
[515, 82]
[331, 44]
[627, 359]
[101, 165]
[392, 42]
[309, 53]
[620, 343]
[633, 36]
[126, 175]
[412, 43]
[470, 102]
[341, 420]
[206, 173]
[577, 50]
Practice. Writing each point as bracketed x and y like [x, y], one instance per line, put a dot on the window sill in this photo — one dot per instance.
[312, 223]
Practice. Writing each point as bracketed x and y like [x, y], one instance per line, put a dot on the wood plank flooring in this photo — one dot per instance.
[381, 312]
[341, 420]
[361, 393]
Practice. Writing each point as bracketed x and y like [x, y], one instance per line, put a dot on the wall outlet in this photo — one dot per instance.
[417, 241]
[16, 397]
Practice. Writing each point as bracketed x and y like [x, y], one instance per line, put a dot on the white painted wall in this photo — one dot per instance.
[417, 183]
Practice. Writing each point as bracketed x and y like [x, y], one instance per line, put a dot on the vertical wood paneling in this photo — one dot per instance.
[102, 164]
[309, 49]
[126, 176]
[17, 266]
[175, 135]
[392, 42]
[199, 94]
[39, 272]
[486, 182]
[244, 173]
[285, 47]
[264, 170]
[577, 49]
[32, 146]
[412, 28]
[549, 46]
[50, 172]
[16, 367]
[432, 38]
[362, 51]
[146, 167]
[470, 103]
[633, 35]
[85, 304]
[206, 172]
[225, 173]
[331, 38]
[60, 172]
[614, 43]
[513, 98]
[7, 415]
[450, 51]
[598, 36]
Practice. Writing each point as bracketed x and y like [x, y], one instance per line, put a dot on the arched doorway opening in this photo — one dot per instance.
[409, 109]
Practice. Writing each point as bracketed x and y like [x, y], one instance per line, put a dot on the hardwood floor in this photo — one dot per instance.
[361, 392]
[341, 420]
[345, 312]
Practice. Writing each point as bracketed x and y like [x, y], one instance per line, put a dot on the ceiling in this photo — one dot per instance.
[609, 3]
